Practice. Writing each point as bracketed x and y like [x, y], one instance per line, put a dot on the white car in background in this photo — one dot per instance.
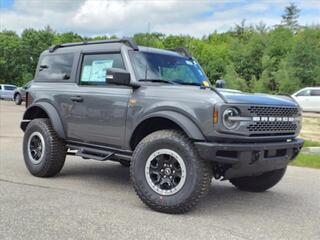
[7, 91]
[308, 99]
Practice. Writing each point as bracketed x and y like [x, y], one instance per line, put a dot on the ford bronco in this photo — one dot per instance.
[155, 111]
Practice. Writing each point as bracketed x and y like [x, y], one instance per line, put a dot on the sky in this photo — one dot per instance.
[127, 17]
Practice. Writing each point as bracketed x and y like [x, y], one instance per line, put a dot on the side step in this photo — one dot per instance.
[94, 156]
[97, 154]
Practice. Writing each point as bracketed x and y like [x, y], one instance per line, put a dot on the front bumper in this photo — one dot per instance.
[247, 159]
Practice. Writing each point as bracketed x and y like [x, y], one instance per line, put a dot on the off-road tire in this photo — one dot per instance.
[198, 172]
[17, 99]
[54, 153]
[259, 183]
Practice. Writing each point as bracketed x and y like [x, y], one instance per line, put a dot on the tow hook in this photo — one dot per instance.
[255, 156]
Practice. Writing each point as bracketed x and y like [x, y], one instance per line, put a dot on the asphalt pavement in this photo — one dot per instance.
[94, 200]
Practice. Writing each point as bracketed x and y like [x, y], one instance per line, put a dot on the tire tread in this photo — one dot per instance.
[203, 169]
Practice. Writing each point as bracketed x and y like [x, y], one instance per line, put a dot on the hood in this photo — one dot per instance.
[259, 99]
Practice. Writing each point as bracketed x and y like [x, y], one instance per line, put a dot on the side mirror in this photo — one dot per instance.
[220, 83]
[118, 76]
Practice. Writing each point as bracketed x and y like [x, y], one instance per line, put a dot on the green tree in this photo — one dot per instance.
[286, 82]
[290, 17]
[233, 80]
[305, 57]
[11, 68]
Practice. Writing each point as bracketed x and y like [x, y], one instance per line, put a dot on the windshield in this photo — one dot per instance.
[167, 68]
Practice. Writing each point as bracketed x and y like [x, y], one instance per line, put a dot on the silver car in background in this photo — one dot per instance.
[7, 91]
[308, 99]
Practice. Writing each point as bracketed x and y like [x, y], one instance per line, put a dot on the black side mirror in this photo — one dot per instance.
[118, 76]
[220, 83]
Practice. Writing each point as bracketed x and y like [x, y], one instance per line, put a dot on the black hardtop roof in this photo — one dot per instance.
[116, 45]
[129, 41]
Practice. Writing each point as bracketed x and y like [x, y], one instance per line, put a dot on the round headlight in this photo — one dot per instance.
[227, 120]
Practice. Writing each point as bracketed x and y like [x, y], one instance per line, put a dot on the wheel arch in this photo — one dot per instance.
[43, 110]
[165, 120]
[16, 94]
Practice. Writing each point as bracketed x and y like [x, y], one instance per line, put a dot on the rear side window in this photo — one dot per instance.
[56, 67]
[315, 92]
[9, 88]
[95, 66]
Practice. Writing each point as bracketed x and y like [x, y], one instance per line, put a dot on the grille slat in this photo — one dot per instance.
[272, 127]
[261, 111]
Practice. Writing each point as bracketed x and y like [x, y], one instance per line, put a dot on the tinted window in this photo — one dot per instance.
[304, 93]
[315, 92]
[94, 67]
[55, 67]
[9, 88]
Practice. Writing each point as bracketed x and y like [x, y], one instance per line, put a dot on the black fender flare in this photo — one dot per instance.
[184, 122]
[52, 113]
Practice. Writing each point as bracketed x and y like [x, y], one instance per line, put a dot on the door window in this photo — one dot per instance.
[315, 92]
[304, 93]
[9, 88]
[94, 67]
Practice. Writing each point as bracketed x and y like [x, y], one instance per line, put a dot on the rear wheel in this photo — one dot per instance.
[167, 173]
[44, 152]
[259, 183]
[18, 99]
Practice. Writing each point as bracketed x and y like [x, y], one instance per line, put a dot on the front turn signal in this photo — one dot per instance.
[215, 117]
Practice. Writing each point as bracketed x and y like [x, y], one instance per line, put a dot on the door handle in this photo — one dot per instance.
[76, 98]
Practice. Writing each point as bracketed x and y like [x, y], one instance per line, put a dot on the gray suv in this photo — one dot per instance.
[155, 111]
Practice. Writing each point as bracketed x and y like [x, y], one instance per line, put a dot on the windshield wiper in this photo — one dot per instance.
[187, 83]
[156, 80]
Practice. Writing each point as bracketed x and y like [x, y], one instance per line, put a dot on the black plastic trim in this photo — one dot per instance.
[247, 159]
[129, 41]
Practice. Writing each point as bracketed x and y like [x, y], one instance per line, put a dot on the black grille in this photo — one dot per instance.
[272, 126]
[261, 111]
[265, 128]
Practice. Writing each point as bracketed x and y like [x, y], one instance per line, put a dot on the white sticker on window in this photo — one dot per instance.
[99, 68]
[86, 74]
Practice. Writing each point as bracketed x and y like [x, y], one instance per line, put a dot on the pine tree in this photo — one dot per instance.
[290, 17]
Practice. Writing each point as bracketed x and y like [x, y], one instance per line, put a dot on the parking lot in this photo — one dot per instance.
[94, 200]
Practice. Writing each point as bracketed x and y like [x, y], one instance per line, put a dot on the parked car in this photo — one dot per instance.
[20, 93]
[308, 99]
[7, 91]
[155, 111]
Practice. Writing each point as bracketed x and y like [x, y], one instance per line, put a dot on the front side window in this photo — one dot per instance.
[94, 67]
[176, 69]
[304, 93]
[56, 67]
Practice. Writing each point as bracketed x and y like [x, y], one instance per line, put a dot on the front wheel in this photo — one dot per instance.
[259, 183]
[167, 173]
